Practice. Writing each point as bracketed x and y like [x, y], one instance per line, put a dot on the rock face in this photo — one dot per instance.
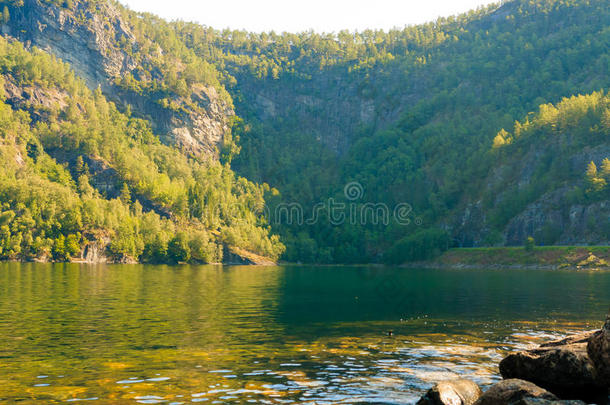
[455, 392]
[540, 401]
[94, 253]
[570, 224]
[548, 218]
[562, 367]
[96, 43]
[235, 256]
[330, 108]
[512, 391]
[88, 45]
[598, 349]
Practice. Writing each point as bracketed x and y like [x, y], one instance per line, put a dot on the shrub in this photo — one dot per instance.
[530, 243]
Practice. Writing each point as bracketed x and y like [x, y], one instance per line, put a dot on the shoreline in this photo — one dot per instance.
[518, 258]
[532, 267]
[495, 258]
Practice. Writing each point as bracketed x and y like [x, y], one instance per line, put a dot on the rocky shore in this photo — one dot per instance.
[570, 371]
[518, 258]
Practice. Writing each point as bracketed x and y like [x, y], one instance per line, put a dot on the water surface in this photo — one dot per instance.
[213, 334]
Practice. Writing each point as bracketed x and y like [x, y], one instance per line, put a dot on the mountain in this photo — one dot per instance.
[545, 182]
[410, 115]
[80, 179]
[134, 63]
[477, 130]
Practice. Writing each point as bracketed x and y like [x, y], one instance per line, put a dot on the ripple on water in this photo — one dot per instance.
[149, 399]
[158, 379]
[269, 357]
[130, 381]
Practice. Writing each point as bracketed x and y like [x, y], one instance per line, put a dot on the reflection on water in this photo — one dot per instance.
[157, 334]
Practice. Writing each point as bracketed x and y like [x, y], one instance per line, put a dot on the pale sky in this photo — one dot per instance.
[302, 15]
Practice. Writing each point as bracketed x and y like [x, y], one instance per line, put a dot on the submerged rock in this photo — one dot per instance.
[598, 349]
[562, 367]
[513, 391]
[454, 392]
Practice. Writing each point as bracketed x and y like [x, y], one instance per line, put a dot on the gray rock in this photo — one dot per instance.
[454, 392]
[549, 219]
[509, 392]
[92, 47]
[572, 339]
[540, 401]
[598, 349]
[562, 367]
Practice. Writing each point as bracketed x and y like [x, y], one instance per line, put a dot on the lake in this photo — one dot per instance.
[184, 334]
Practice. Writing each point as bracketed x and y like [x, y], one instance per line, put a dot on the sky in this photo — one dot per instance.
[302, 15]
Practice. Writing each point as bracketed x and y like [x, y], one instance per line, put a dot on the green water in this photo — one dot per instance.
[213, 334]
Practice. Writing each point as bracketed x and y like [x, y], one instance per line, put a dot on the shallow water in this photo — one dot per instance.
[213, 334]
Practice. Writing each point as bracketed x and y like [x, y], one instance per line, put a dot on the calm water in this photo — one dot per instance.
[156, 334]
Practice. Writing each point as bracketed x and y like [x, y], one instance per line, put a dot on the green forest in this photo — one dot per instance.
[500, 109]
[151, 202]
[451, 85]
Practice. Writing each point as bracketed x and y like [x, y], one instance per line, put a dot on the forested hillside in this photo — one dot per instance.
[549, 179]
[449, 121]
[79, 178]
[409, 114]
[136, 62]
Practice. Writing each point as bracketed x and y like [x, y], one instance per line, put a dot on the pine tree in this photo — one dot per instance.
[596, 183]
[81, 167]
[501, 139]
[178, 248]
[59, 247]
[591, 171]
[530, 244]
[72, 245]
[605, 171]
[84, 187]
[125, 194]
[6, 15]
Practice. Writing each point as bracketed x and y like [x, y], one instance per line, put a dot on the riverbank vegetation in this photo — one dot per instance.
[558, 257]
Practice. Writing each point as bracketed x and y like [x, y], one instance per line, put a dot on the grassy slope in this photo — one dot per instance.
[514, 257]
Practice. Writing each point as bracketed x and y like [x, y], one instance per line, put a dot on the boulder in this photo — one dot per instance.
[562, 367]
[599, 352]
[454, 392]
[509, 392]
[583, 337]
[540, 401]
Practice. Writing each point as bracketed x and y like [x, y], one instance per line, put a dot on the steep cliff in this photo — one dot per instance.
[410, 115]
[539, 186]
[103, 46]
[80, 180]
